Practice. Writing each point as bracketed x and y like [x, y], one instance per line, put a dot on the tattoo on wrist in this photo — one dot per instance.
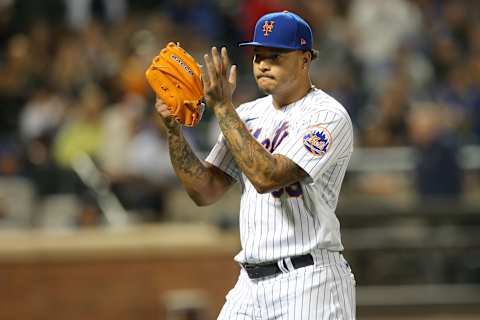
[183, 157]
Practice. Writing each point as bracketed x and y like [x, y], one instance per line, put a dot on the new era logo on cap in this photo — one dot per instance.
[284, 30]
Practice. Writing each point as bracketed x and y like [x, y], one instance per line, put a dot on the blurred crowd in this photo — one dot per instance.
[72, 85]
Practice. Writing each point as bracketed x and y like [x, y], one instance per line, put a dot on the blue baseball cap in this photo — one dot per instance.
[284, 30]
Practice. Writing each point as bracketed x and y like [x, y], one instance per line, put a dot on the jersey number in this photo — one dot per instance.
[293, 190]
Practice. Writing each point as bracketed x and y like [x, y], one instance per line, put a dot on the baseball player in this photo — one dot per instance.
[289, 151]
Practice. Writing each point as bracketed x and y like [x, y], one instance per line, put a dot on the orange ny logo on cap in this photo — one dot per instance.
[268, 27]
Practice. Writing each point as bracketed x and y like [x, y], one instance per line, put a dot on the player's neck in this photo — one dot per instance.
[283, 99]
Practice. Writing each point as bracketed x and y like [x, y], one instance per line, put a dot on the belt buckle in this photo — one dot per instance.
[252, 270]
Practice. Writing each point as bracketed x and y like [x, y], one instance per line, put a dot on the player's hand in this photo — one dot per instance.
[219, 79]
[162, 110]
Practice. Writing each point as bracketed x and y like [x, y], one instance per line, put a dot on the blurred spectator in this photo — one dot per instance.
[385, 121]
[135, 157]
[379, 28]
[80, 13]
[16, 79]
[82, 131]
[416, 68]
[40, 120]
[70, 69]
[196, 16]
[98, 50]
[457, 91]
[444, 54]
[42, 114]
[438, 175]
[43, 171]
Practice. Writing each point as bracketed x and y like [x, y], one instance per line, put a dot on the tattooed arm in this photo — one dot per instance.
[265, 171]
[204, 183]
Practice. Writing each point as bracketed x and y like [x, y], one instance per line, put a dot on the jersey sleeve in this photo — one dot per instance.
[221, 157]
[318, 142]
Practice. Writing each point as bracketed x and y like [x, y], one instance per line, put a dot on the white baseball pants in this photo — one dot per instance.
[323, 291]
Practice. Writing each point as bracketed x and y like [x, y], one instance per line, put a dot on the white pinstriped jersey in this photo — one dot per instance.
[316, 133]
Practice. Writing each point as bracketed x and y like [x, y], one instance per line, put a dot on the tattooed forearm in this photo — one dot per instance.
[264, 170]
[205, 184]
[185, 162]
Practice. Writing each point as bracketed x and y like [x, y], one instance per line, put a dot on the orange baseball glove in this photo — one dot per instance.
[174, 75]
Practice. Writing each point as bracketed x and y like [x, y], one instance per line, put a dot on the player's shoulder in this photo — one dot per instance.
[252, 107]
[323, 103]
[324, 114]
[321, 108]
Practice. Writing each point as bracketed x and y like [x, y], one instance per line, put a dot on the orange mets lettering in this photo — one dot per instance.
[268, 27]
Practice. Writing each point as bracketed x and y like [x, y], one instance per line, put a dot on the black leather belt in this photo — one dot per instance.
[261, 270]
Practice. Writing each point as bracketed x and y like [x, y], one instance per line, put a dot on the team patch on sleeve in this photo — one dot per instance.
[317, 141]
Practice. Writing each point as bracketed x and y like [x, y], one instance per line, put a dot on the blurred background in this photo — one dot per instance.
[94, 225]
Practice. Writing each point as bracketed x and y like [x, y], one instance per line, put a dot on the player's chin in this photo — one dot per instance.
[266, 86]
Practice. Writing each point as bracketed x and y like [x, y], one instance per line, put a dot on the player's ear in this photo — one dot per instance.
[307, 58]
